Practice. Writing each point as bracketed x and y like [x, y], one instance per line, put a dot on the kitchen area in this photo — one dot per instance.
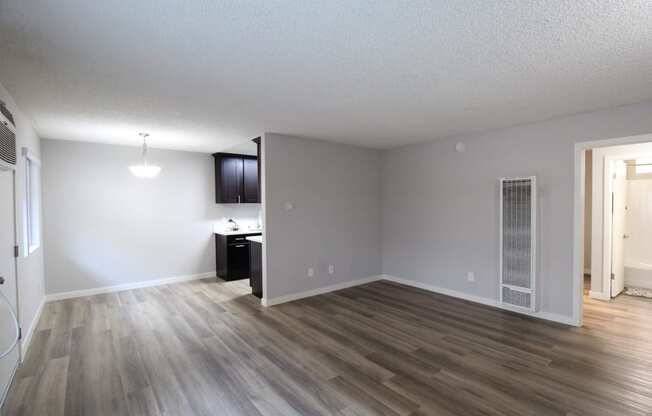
[238, 239]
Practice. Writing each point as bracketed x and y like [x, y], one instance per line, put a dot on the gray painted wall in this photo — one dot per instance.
[30, 268]
[440, 216]
[336, 218]
[105, 227]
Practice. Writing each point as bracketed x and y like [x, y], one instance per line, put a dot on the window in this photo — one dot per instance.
[32, 236]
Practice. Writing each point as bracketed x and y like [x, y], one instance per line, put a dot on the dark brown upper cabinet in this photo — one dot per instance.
[250, 188]
[236, 179]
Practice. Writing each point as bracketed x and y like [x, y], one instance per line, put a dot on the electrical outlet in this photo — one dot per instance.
[331, 269]
[311, 272]
[470, 276]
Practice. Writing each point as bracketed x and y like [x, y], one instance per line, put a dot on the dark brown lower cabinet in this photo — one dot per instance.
[232, 256]
[256, 268]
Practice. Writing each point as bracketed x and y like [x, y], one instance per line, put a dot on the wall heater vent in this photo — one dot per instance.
[517, 242]
[7, 139]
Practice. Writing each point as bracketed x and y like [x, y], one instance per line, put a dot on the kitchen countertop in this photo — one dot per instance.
[239, 232]
[256, 238]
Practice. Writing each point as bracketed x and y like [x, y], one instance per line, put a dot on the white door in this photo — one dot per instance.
[8, 272]
[619, 203]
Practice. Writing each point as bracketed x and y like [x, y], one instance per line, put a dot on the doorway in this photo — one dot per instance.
[8, 286]
[618, 220]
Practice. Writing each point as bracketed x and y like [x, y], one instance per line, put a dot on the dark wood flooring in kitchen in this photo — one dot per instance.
[206, 348]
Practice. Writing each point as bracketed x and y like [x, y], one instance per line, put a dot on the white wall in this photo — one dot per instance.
[30, 269]
[105, 227]
[335, 190]
[638, 256]
[639, 224]
[440, 216]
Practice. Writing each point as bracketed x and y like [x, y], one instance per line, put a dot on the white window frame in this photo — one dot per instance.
[31, 238]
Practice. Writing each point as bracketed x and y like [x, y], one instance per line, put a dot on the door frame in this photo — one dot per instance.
[579, 153]
[5, 167]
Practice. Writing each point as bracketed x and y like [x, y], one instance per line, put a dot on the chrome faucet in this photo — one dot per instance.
[235, 226]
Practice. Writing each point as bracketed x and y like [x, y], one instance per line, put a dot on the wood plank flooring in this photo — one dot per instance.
[207, 348]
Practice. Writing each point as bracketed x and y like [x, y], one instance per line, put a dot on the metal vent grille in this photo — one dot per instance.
[5, 112]
[517, 248]
[516, 298]
[7, 144]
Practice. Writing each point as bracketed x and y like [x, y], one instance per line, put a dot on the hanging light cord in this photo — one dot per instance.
[144, 152]
[144, 136]
[16, 325]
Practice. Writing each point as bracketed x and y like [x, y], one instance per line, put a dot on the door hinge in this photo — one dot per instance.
[613, 276]
[20, 333]
[16, 254]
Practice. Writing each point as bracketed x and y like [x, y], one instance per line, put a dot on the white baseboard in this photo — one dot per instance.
[318, 291]
[27, 336]
[314, 292]
[549, 316]
[119, 288]
[599, 295]
[638, 277]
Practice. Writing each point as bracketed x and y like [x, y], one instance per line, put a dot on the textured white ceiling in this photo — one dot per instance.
[205, 74]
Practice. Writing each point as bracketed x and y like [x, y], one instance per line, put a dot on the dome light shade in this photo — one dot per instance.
[144, 170]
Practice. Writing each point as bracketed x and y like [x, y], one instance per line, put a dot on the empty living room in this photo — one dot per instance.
[352, 208]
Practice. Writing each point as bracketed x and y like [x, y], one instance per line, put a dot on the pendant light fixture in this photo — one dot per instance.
[144, 170]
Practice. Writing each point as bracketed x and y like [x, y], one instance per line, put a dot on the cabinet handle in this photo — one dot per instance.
[238, 199]
[240, 245]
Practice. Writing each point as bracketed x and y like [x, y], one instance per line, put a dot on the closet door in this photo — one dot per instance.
[618, 224]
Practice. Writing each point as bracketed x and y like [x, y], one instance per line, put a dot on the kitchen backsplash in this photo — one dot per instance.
[248, 217]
